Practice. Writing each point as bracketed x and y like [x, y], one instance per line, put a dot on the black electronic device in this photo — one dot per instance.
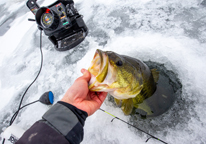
[61, 22]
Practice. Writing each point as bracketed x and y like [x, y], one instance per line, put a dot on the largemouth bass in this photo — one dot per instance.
[127, 79]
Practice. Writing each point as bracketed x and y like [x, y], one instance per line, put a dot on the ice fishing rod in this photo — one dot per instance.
[151, 136]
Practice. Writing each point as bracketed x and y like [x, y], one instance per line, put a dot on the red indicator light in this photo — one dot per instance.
[47, 10]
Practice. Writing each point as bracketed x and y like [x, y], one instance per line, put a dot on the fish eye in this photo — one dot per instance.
[119, 63]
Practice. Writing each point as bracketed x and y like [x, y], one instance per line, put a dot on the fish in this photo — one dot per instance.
[127, 79]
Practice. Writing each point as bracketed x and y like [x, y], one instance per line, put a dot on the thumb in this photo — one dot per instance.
[86, 74]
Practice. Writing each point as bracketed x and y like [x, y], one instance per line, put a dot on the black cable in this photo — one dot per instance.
[19, 108]
[15, 114]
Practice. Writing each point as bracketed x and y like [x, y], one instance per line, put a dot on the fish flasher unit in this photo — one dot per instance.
[61, 22]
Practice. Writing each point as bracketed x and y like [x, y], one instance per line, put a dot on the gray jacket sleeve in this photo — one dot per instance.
[62, 123]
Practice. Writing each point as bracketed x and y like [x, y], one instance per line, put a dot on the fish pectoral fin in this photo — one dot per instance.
[118, 102]
[144, 106]
[155, 74]
[127, 106]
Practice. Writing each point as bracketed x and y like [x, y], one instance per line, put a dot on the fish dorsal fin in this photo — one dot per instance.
[155, 74]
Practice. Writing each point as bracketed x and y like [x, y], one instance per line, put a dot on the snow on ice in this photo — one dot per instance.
[170, 32]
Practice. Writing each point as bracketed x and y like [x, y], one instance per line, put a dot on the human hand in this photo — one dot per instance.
[79, 95]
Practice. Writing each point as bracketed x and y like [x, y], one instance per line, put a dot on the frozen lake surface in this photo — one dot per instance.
[170, 32]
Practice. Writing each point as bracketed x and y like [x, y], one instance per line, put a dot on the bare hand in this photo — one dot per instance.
[79, 95]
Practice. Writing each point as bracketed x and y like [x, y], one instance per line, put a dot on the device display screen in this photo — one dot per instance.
[47, 19]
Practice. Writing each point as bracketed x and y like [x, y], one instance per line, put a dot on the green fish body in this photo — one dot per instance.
[127, 79]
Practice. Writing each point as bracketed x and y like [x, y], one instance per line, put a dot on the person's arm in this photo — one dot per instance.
[63, 123]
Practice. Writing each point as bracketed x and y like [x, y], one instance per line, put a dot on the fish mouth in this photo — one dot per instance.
[98, 70]
[97, 63]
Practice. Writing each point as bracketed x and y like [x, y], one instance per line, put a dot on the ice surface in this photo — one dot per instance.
[169, 32]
